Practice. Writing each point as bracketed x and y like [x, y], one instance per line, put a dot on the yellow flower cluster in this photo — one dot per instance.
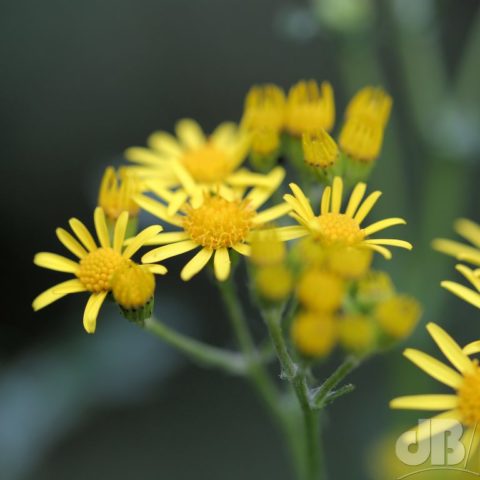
[198, 184]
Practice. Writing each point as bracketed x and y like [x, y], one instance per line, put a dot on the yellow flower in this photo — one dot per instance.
[372, 104]
[267, 249]
[320, 290]
[309, 107]
[463, 405]
[264, 108]
[361, 139]
[133, 285]
[96, 265]
[314, 334]
[333, 228]
[194, 164]
[116, 193]
[273, 282]
[215, 225]
[471, 232]
[398, 315]
[357, 333]
[319, 149]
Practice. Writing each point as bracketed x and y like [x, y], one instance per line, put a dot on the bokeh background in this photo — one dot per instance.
[80, 82]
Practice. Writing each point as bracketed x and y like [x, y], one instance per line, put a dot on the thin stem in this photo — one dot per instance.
[297, 379]
[199, 352]
[321, 395]
[257, 373]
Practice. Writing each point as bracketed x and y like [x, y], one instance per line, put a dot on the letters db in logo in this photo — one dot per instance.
[441, 447]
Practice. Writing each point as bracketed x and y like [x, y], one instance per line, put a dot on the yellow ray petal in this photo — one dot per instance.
[190, 133]
[224, 135]
[355, 199]
[221, 264]
[470, 257]
[101, 227]
[157, 269]
[184, 178]
[91, 311]
[196, 264]
[272, 213]
[434, 368]
[243, 249]
[139, 240]
[366, 206]
[325, 203]
[463, 292]
[165, 238]
[165, 143]
[455, 249]
[70, 243]
[468, 230]
[119, 232]
[431, 428]
[472, 348]
[382, 225]
[306, 208]
[55, 262]
[167, 251]
[425, 402]
[144, 156]
[337, 193]
[178, 199]
[158, 209]
[56, 292]
[81, 231]
[246, 178]
[391, 242]
[379, 249]
[470, 275]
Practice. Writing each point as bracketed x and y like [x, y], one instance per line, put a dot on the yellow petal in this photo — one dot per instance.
[91, 311]
[463, 292]
[468, 230]
[196, 264]
[165, 143]
[178, 199]
[431, 428]
[157, 269]
[288, 233]
[221, 264]
[224, 135]
[470, 275]
[366, 206]
[455, 249]
[391, 242]
[382, 225]
[272, 213]
[158, 209]
[101, 227]
[379, 249]
[425, 402]
[190, 133]
[70, 243]
[306, 208]
[450, 348]
[434, 368]
[337, 193]
[119, 232]
[168, 251]
[81, 231]
[56, 292]
[243, 249]
[355, 199]
[144, 156]
[139, 240]
[472, 348]
[55, 262]
[166, 238]
[325, 203]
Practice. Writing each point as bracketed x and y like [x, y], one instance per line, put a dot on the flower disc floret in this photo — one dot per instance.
[469, 398]
[337, 228]
[207, 164]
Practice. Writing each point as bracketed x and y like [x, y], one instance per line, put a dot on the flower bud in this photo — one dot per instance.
[320, 290]
[357, 333]
[397, 316]
[319, 149]
[274, 282]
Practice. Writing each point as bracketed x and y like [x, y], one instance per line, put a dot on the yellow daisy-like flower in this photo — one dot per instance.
[462, 406]
[96, 264]
[216, 225]
[470, 231]
[334, 228]
[309, 108]
[194, 163]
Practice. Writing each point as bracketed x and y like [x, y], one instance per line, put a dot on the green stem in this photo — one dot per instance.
[323, 393]
[292, 373]
[199, 352]
[258, 375]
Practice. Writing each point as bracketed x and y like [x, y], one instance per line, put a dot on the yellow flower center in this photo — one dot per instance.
[218, 222]
[469, 398]
[207, 164]
[132, 285]
[337, 228]
[97, 268]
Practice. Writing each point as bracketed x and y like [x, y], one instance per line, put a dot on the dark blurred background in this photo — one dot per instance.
[80, 82]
